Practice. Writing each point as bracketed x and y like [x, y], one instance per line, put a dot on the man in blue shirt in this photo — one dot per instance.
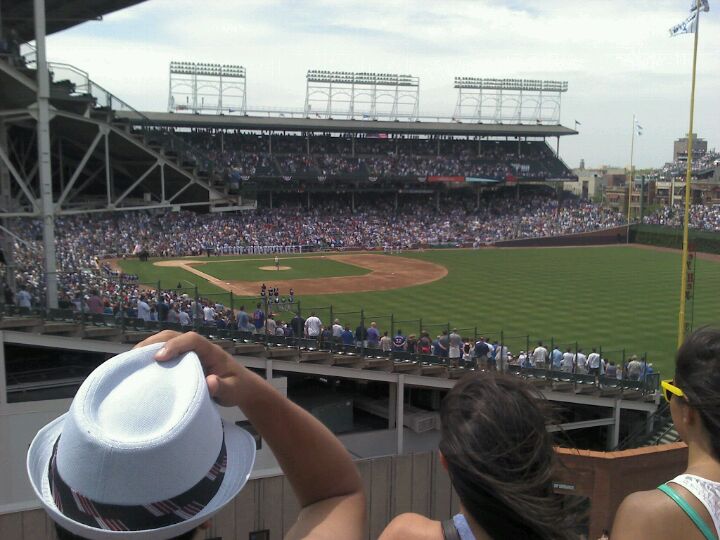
[373, 336]
[481, 353]
[259, 320]
[347, 337]
[556, 357]
[243, 320]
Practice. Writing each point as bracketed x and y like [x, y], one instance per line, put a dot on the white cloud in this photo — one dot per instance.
[616, 55]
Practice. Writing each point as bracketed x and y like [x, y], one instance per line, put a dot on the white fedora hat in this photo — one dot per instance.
[141, 453]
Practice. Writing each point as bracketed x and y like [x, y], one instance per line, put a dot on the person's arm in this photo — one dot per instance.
[320, 470]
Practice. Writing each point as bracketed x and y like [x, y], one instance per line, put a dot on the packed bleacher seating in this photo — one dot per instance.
[678, 169]
[702, 216]
[241, 155]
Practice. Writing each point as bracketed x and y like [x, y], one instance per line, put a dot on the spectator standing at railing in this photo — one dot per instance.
[540, 355]
[184, 318]
[243, 320]
[23, 297]
[313, 326]
[373, 336]
[580, 362]
[172, 314]
[568, 361]
[385, 342]
[95, 303]
[611, 372]
[143, 309]
[347, 336]
[455, 346]
[360, 335]
[337, 330]
[594, 362]
[208, 314]
[259, 318]
[270, 325]
[634, 368]
[556, 358]
[399, 342]
[297, 325]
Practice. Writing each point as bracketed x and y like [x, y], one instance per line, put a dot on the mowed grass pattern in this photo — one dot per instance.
[315, 267]
[610, 297]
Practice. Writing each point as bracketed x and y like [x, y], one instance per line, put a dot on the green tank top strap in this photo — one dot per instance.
[690, 511]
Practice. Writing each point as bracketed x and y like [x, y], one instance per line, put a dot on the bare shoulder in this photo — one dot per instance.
[646, 514]
[412, 526]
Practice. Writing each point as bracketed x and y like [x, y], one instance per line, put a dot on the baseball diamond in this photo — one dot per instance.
[614, 297]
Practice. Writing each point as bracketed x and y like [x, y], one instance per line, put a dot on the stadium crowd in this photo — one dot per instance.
[82, 242]
[678, 169]
[703, 217]
[241, 155]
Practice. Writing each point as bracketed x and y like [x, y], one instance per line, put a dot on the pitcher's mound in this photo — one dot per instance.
[273, 267]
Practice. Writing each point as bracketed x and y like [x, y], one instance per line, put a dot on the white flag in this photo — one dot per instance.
[686, 27]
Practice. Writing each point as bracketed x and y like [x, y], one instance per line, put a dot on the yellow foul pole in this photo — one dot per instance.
[688, 190]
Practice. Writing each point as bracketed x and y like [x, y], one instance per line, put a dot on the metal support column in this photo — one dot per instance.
[6, 243]
[614, 432]
[400, 414]
[45, 168]
[392, 405]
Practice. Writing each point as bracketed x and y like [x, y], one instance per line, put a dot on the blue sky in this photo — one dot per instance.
[616, 56]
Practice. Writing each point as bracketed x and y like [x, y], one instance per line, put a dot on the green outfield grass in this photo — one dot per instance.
[234, 270]
[612, 297]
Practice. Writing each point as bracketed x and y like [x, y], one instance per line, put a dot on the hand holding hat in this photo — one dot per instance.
[222, 372]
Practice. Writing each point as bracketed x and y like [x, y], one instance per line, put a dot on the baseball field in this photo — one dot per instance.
[623, 299]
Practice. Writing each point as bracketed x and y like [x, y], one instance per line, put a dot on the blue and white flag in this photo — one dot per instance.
[688, 26]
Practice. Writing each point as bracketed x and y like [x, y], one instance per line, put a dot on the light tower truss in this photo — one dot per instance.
[207, 88]
[369, 96]
[517, 101]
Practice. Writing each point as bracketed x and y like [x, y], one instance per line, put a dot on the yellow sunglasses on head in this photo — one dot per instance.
[670, 390]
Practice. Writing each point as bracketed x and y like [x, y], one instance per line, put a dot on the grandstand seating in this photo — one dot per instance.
[246, 156]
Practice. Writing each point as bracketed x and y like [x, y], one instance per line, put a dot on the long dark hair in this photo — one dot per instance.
[501, 459]
[697, 374]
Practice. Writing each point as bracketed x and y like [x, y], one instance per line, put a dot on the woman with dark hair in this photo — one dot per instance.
[500, 458]
[688, 506]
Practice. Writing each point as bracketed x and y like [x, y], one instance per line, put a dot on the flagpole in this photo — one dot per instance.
[688, 190]
[630, 183]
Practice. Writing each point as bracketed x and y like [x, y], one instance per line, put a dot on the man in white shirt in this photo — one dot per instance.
[208, 314]
[337, 330]
[580, 363]
[313, 326]
[593, 362]
[567, 361]
[540, 356]
[143, 309]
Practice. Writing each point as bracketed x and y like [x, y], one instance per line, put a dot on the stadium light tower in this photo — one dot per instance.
[509, 100]
[372, 96]
[208, 88]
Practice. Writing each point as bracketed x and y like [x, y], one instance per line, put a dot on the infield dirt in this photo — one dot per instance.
[386, 273]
